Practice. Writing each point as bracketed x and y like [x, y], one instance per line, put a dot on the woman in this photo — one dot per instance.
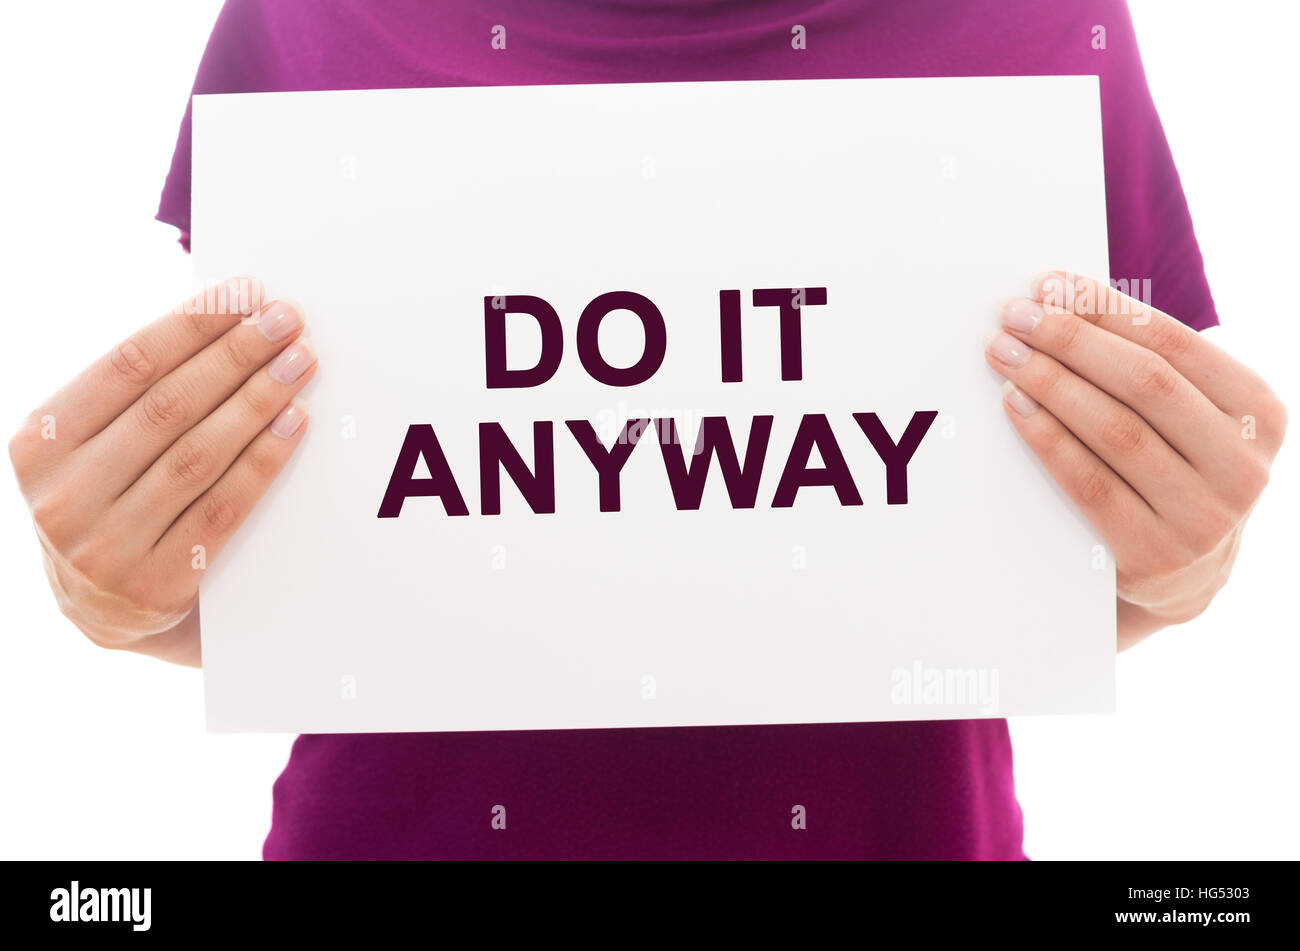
[1162, 440]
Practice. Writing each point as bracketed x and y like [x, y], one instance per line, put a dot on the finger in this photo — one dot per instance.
[129, 445]
[101, 392]
[1229, 384]
[1133, 375]
[191, 465]
[1107, 500]
[1116, 434]
[206, 525]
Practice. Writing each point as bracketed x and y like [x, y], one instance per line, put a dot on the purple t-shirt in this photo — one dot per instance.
[938, 789]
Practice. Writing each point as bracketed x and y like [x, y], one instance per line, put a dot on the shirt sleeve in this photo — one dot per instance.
[1150, 228]
[237, 58]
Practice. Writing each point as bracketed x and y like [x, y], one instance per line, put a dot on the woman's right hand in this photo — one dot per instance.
[139, 470]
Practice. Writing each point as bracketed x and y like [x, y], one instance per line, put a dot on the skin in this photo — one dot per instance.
[167, 442]
[161, 445]
[1162, 439]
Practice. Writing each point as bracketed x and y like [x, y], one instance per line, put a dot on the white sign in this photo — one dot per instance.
[794, 277]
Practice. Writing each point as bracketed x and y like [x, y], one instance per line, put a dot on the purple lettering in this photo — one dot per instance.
[816, 431]
[656, 339]
[732, 350]
[896, 457]
[608, 462]
[499, 376]
[791, 301]
[421, 441]
[495, 451]
[687, 479]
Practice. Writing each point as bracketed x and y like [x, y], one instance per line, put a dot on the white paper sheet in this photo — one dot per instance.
[918, 204]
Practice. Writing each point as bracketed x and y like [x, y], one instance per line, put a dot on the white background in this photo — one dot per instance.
[105, 754]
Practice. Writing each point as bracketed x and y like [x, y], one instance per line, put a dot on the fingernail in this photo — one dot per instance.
[292, 362]
[1019, 401]
[280, 320]
[1021, 315]
[1052, 289]
[290, 418]
[1006, 349]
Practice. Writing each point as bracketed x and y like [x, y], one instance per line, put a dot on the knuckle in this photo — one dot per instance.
[1094, 298]
[92, 558]
[1260, 474]
[197, 322]
[262, 462]
[1093, 487]
[1082, 295]
[1123, 432]
[1054, 443]
[84, 559]
[140, 591]
[162, 406]
[217, 515]
[1212, 525]
[194, 321]
[1051, 378]
[258, 401]
[189, 464]
[130, 364]
[1169, 337]
[45, 511]
[1250, 476]
[1154, 378]
[23, 447]
[51, 509]
[1067, 334]
[1110, 299]
[1280, 415]
[1272, 416]
[18, 451]
[240, 353]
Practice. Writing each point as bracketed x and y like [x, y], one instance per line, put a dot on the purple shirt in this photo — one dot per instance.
[936, 789]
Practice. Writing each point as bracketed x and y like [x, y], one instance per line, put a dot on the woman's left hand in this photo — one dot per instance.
[1162, 439]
